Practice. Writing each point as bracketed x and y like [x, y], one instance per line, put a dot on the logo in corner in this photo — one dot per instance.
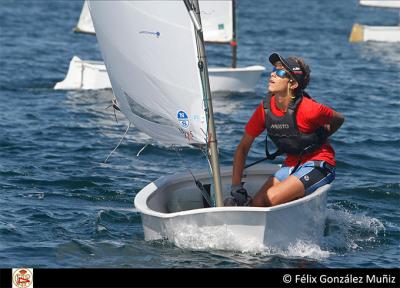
[183, 119]
[22, 277]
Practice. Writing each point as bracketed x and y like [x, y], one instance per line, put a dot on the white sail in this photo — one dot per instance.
[85, 24]
[150, 52]
[216, 17]
[217, 21]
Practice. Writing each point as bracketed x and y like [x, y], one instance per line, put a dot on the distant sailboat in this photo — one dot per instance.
[219, 24]
[163, 88]
[85, 23]
[363, 33]
[381, 3]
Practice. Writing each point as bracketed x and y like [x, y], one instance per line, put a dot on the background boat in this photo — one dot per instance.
[362, 33]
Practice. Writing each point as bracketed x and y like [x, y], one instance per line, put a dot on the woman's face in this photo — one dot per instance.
[279, 79]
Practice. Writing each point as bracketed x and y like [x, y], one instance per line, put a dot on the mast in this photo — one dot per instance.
[194, 12]
[233, 42]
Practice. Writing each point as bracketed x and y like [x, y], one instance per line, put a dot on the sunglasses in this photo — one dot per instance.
[280, 73]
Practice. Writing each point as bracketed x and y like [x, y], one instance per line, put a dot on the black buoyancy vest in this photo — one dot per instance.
[283, 131]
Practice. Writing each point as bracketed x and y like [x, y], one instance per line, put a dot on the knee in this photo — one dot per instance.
[272, 197]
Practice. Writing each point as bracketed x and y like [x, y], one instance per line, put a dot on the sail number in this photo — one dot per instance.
[183, 119]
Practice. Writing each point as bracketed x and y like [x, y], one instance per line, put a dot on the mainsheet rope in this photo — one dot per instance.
[120, 141]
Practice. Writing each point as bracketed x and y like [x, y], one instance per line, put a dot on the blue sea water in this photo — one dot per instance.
[62, 206]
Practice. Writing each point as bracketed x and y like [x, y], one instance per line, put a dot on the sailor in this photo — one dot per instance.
[299, 127]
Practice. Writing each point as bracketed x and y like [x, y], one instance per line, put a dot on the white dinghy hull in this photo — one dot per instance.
[364, 33]
[171, 208]
[241, 79]
[85, 75]
[381, 3]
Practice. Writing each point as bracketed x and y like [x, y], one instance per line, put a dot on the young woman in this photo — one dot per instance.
[299, 127]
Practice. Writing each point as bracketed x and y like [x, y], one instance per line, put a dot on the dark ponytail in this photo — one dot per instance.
[305, 79]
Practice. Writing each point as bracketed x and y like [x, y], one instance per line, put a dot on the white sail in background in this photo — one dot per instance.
[85, 24]
[217, 21]
[150, 52]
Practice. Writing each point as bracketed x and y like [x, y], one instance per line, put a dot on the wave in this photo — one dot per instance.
[347, 231]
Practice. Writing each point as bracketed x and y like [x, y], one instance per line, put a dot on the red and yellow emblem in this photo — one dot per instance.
[22, 278]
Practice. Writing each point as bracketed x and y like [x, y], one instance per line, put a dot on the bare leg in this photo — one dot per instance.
[274, 192]
[259, 200]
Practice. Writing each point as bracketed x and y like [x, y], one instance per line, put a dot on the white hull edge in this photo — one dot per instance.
[85, 75]
[171, 208]
[92, 75]
[364, 33]
[381, 3]
[234, 79]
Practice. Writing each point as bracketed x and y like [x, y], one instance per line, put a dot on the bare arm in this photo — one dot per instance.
[335, 123]
[240, 158]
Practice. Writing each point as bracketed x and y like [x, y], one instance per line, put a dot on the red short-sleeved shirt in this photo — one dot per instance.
[310, 116]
